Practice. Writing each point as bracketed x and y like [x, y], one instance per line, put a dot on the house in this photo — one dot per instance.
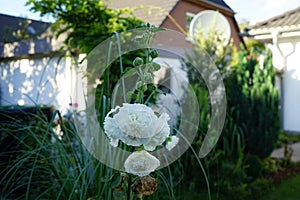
[177, 14]
[282, 33]
[36, 72]
[32, 67]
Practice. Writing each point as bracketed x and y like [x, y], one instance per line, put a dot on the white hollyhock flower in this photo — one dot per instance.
[172, 142]
[162, 130]
[136, 125]
[141, 163]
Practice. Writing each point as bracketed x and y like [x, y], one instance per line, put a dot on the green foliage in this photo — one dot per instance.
[47, 160]
[214, 46]
[258, 188]
[271, 165]
[251, 89]
[286, 138]
[87, 22]
[252, 120]
[251, 125]
[138, 64]
[46, 166]
[287, 189]
[254, 166]
[251, 44]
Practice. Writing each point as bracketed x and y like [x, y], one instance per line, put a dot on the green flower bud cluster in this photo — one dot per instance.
[138, 61]
[141, 86]
[145, 66]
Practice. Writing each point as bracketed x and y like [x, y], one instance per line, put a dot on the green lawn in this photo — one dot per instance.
[288, 189]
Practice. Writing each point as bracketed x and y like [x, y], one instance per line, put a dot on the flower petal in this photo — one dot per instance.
[172, 143]
[136, 120]
[141, 163]
[136, 125]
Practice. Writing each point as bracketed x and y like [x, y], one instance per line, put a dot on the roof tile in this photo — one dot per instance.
[289, 18]
[154, 11]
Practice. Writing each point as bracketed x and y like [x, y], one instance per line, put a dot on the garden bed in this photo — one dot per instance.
[21, 129]
[13, 112]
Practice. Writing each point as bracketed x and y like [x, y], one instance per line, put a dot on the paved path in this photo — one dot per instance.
[279, 153]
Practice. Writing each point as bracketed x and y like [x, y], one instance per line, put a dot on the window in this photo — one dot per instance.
[189, 17]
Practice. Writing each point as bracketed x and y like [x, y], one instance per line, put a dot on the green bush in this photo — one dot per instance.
[258, 188]
[251, 90]
[252, 121]
[271, 165]
[254, 166]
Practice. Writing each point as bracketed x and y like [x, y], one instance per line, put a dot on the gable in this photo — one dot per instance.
[153, 12]
[156, 11]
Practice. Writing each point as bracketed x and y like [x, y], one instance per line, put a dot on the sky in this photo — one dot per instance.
[18, 8]
[260, 10]
[250, 10]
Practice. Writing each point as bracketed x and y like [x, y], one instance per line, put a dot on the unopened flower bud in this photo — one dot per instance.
[139, 84]
[148, 78]
[154, 53]
[138, 62]
[155, 66]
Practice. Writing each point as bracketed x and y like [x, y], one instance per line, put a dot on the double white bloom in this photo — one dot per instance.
[137, 125]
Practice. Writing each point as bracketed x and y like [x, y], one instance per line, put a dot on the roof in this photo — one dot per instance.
[11, 24]
[153, 12]
[290, 18]
[219, 3]
[40, 39]
[156, 11]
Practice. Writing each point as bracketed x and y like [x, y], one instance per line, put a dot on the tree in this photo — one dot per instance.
[87, 22]
[251, 89]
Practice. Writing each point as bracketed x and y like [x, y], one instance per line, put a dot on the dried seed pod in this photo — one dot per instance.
[146, 185]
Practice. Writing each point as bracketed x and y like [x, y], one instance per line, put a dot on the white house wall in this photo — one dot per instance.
[291, 82]
[46, 80]
[176, 81]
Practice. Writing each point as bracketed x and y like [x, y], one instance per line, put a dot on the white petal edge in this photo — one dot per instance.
[141, 163]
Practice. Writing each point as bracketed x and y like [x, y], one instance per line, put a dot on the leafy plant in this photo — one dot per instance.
[252, 91]
[252, 121]
[45, 163]
[86, 22]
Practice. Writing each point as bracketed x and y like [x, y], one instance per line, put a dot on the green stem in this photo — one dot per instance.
[121, 66]
[198, 160]
[129, 187]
